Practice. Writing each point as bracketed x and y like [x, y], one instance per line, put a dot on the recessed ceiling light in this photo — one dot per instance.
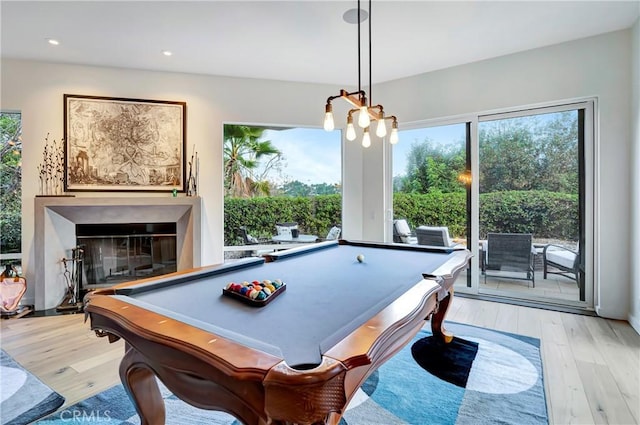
[53, 41]
[167, 52]
[351, 16]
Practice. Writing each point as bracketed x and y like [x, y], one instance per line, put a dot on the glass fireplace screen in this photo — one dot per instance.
[115, 253]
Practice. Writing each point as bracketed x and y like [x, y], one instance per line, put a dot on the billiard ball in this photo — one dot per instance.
[360, 258]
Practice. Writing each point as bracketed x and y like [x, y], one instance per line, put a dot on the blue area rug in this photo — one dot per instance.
[23, 397]
[483, 377]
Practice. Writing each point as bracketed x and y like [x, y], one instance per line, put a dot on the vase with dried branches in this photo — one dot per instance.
[194, 171]
[51, 169]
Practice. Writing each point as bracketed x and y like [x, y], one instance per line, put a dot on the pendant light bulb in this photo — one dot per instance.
[381, 129]
[363, 117]
[328, 118]
[393, 138]
[366, 139]
[351, 131]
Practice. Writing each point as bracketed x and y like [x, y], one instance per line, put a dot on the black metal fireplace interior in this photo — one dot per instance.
[115, 253]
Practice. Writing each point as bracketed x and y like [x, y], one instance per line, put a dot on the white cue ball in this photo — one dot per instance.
[360, 258]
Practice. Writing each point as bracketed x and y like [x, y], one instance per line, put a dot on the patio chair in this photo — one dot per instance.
[334, 234]
[402, 232]
[285, 229]
[434, 236]
[561, 260]
[511, 252]
[248, 239]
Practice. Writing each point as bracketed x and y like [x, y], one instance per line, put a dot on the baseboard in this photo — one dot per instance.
[527, 303]
[634, 321]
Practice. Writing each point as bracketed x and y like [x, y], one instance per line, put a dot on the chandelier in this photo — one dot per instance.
[366, 113]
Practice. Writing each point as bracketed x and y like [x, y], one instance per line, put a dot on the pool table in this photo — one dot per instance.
[297, 359]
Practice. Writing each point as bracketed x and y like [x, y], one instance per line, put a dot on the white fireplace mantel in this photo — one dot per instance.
[55, 232]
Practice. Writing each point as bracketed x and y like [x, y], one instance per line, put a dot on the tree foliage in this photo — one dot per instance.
[297, 188]
[244, 155]
[433, 167]
[530, 154]
[525, 153]
[10, 182]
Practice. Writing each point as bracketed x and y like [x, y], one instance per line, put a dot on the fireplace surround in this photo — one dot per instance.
[55, 232]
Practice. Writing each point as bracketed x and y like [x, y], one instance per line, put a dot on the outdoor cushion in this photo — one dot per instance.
[434, 235]
[334, 233]
[284, 229]
[562, 257]
[402, 227]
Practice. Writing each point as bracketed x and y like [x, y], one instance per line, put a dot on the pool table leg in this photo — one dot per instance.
[141, 385]
[437, 320]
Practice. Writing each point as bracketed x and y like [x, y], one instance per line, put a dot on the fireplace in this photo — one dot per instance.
[56, 224]
[121, 252]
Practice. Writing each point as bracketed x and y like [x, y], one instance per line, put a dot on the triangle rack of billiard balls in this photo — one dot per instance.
[256, 293]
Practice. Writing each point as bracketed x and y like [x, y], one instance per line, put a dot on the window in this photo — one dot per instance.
[276, 175]
[430, 175]
[11, 189]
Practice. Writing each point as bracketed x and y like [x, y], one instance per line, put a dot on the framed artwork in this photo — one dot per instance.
[118, 144]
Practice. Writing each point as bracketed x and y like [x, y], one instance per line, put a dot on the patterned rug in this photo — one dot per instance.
[23, 397]
[482, 377]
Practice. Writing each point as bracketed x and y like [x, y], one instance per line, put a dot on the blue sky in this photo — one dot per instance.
[313, 155]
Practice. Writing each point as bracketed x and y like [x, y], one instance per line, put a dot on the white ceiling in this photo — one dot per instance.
[300, 40]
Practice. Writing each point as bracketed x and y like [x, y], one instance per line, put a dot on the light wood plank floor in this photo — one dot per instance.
[591, 365]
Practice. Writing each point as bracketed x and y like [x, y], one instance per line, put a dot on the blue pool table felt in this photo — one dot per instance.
[329, 294]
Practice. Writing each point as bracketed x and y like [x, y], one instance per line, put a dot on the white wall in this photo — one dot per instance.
[598, 66]
[634, 312]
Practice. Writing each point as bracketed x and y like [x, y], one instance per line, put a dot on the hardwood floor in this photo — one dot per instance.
[591, 365]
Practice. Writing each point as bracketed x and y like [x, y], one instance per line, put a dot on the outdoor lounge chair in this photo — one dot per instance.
[334, 233]
[510, 252]
[402, 232]
[562, 261]
[434, 236]
[248, 239]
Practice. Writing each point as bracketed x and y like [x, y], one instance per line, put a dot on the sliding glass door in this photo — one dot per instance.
[533, 221]
[516, 189]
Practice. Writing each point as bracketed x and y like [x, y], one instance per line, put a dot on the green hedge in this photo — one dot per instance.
[10, 225]
[314, 215]
[545, 214]
[433, 209]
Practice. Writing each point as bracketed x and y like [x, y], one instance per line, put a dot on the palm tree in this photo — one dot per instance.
[243, 151]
